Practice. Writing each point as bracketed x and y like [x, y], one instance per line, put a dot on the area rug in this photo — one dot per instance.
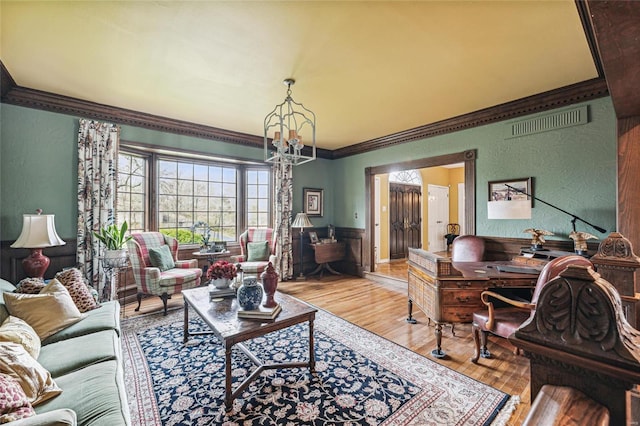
[361, 379]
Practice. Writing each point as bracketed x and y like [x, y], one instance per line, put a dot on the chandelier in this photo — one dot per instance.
[288, 122]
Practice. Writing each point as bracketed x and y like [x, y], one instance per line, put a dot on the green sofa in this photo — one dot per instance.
[85, 360]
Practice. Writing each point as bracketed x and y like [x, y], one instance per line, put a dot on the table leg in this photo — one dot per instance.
[228, 399]
[438, 352]
[410, 318]
[312, 352]
[186, 323]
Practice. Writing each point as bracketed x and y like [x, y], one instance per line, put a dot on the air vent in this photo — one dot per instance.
[558, 120]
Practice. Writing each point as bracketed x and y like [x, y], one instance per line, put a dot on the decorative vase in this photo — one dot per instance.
[221, 282]
[270, 283]
[249, 294]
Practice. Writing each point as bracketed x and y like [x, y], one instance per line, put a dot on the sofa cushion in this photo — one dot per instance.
[30, 285]
[14, 404]
[96, 393]
[74, 282]
[34, 379]
[47, 312]
[160, 257]
[55, 357]
[106, 317]
[15, 330]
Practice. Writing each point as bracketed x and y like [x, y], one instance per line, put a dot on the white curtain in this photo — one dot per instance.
[97, 184]
[282, 208]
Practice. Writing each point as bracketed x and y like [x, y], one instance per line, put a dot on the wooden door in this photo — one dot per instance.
[404, 219]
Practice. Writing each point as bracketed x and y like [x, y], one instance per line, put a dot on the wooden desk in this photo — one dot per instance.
[449, 292]
[326, 253]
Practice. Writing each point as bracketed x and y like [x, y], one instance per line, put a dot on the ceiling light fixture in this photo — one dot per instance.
[289, 118]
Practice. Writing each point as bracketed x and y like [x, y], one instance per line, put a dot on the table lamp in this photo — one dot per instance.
[301, 221]
[38, 232]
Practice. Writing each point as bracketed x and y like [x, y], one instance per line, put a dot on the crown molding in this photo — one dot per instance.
[580, 92]
[37, 99]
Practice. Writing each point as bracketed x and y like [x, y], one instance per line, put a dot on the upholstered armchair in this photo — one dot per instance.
[258, 248]
[169, 276]
[503, 321]
[467, 248]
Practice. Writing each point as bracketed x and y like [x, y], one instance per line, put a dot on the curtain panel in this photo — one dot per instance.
[283, 185]
[97, 183]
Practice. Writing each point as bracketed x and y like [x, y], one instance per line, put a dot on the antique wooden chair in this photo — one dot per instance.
[154, 280]
[505, 320]
[467, 248]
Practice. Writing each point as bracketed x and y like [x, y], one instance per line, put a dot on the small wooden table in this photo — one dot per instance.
[325, 253]
[211, 257]
[222, 318]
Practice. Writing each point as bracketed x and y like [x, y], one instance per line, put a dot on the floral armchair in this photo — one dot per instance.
[170, 276]
[258, 248]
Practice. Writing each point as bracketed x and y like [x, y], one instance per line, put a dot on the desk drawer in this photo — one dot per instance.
[458, 313]
[461, 297]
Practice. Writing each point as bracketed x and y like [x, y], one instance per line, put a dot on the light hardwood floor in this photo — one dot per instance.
[382, 309]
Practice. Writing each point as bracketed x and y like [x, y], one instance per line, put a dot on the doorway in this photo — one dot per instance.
[372, 248]
[438, 208]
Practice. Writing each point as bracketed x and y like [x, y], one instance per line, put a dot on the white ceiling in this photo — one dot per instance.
[366, 68]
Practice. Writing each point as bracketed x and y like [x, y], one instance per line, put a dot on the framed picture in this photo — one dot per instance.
[511, 190]
[313, 236]
[313, 200]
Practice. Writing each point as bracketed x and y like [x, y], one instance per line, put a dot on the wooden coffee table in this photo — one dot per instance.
[222, 318]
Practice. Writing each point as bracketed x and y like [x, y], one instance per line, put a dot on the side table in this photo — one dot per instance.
[324, 253]
[211, 257]
[111, 267]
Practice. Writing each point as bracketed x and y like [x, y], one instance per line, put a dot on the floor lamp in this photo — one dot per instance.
[301, 221]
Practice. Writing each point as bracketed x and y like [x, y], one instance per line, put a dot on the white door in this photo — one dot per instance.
[438, 210]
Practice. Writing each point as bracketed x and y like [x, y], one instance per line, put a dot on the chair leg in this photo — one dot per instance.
[165, 298]
[475, 331]
[139, 297]
[484, 352]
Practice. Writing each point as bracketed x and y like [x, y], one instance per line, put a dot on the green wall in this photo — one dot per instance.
[574, 168]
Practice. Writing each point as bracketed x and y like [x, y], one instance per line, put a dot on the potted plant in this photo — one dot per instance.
[114, 238]
[221, 273]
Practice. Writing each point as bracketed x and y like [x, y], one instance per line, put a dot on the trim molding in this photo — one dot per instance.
[579, 92]
[37, 99]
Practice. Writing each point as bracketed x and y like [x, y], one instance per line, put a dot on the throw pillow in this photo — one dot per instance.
[30, 285]
[34, 379]
[14, 404]
[47, 312]
[160, 257]
[73, 280]
[258, 251]
[15, 330]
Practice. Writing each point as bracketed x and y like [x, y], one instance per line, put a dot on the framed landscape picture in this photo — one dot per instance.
[503, 190]
[313, 201]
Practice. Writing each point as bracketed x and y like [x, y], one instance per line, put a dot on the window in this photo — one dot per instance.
[188, 191]
[132, 191]
[258, 201]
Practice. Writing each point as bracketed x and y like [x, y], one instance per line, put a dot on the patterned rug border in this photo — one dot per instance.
[377, 348]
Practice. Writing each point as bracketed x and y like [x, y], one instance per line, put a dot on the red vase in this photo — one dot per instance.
[270, 283]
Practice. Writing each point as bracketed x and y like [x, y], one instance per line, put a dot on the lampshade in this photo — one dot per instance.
[38, 231]
[289, 119]
[301, 221]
